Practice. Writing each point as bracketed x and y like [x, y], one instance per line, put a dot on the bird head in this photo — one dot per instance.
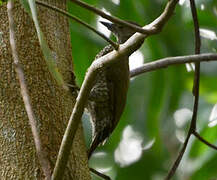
[121, 32]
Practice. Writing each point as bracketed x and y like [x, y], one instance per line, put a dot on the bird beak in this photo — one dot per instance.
[109, 25]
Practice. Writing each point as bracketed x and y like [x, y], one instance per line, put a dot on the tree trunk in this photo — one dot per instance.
[52, 105]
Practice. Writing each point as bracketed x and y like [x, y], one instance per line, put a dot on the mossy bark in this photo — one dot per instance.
[52, 104]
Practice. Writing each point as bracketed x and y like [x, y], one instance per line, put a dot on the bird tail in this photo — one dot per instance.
[99, 139]
[93, 146]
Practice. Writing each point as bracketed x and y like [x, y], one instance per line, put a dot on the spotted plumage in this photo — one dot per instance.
[108, 95]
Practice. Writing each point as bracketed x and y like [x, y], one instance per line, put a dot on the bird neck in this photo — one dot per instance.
[122, 40]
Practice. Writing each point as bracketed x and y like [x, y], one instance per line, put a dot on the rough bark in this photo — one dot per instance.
[51, 104]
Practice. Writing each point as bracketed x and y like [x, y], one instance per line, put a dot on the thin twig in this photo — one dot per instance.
[179, 158]
[195, 91]
[72, 126]
[197, 65]
[127, 48]
[153, 28]
[78, 109]
[45, 164]
[115, 45]
[111, 18]
[165, 62]
[100, 174]
[204, 141]
[197, 47]
[157, 25]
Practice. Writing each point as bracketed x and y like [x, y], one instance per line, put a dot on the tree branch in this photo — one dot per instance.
[111, 18]
[115, 45]
[157, 25]
[131, 45]
[108, 59]
[197, 49]
[195, 90]
[153, 28]
[179, 158]
[100, 174]
[163, 63]
[197, 65]
[45, 164]
[204, 141]
[169, 61]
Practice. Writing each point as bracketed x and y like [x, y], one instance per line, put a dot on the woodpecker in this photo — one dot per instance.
[108, 95]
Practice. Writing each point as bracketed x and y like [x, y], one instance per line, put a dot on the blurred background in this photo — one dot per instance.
[159, 106]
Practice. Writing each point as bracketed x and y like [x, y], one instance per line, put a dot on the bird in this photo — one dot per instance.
[108, 95]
